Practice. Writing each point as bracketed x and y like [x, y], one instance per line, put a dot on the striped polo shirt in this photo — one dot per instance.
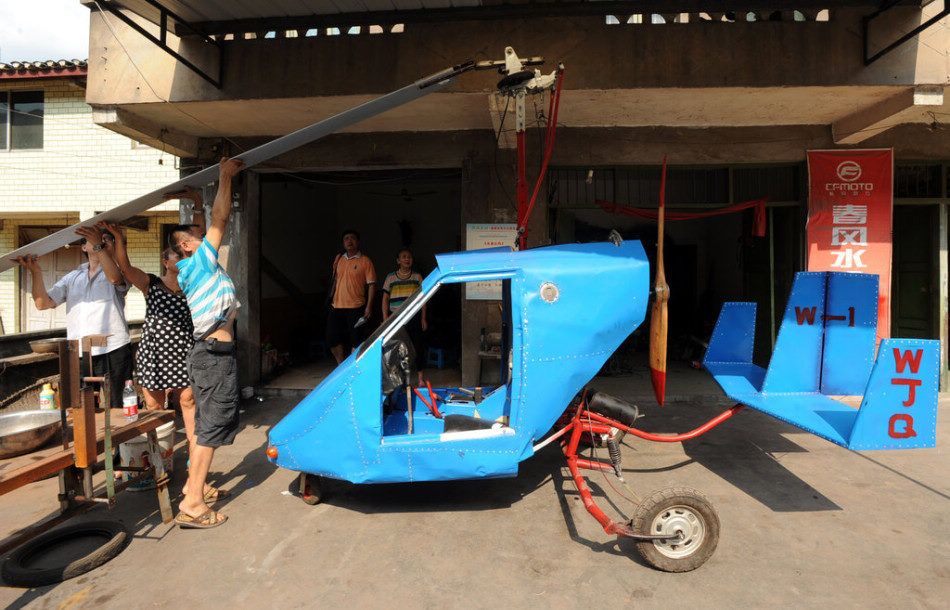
[400, 289]
[209, 290]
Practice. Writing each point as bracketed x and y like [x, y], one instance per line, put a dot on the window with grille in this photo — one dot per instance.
[685, 186]
[21, 120]
[778, 183]
[917, 181]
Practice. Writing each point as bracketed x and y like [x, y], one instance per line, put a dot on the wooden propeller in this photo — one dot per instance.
[659, 324]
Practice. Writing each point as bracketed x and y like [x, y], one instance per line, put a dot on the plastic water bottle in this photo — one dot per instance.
[47, 397]
[130, 402]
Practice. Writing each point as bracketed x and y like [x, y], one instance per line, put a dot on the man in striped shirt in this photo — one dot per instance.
[212, 367]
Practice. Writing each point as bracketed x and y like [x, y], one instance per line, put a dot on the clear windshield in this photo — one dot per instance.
[399, 318]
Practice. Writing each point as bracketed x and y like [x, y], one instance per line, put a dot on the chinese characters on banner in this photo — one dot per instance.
[488, 235]
[850, 203]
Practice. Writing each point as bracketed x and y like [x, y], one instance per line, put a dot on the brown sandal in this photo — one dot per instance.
[205, 520]
[215, 493]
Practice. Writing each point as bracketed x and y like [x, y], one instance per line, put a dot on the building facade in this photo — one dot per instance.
[57, 167]
[733, 99]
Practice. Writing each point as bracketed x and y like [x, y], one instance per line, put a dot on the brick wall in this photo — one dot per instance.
[81, 170]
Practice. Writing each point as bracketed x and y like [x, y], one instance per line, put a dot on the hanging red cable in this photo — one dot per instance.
[757, 205]
[554, 106]
[549, 144]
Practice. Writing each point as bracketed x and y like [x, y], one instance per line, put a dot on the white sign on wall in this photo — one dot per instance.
[479, 236]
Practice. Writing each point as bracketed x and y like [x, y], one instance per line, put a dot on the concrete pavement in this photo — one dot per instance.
[804, 523]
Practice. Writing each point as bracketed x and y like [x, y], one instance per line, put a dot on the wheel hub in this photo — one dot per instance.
[685, 527]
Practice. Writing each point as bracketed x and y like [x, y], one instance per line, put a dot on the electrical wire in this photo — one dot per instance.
[75, 176]
[538, 116]
[46, 117]
[619, 493]
[593, 458]
[501, 126]
[94, 130]
[119, 157]
[392, 179]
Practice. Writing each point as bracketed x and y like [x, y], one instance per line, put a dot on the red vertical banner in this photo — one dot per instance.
[850, 205]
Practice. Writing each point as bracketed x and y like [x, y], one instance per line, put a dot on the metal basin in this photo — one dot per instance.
[25, 431]
[46, 346]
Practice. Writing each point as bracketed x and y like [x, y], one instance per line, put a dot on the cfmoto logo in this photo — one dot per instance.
[849, 171]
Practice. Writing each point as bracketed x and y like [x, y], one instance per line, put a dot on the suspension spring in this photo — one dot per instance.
[613, 449]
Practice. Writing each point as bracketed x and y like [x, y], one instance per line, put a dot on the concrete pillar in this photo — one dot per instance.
[490, 198]
[243, 265]
[475, 192]
[943, 310]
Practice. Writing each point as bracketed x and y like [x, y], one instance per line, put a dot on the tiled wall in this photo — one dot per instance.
[81, 170]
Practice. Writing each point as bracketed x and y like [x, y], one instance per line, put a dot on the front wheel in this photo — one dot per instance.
[691, 522]
[311, 488]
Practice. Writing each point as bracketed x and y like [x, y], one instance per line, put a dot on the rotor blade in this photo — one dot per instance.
[257, 155]
[658, 315]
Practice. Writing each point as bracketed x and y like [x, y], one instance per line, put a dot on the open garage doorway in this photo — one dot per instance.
[708, 260]
[302, 218]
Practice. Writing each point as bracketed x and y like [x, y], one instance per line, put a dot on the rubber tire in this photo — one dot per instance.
[654, 505]
[313, 490]
[16, 570]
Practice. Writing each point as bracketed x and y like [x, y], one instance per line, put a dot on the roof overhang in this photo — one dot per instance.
[225, 16]
[272, 87]
[869, 109]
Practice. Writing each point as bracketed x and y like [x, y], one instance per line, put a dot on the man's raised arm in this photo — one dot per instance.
[41, 298]
[108, 264]
[228, 168]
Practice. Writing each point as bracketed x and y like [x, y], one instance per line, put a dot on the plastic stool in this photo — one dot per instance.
[435, 358]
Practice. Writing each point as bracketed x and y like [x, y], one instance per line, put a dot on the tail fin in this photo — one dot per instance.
[795, 366]
[850, 323]
[826, 341]
[734, 336]
[899, 410]
[729, 356]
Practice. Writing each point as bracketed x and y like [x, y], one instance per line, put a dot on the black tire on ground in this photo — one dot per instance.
[19, 571]
[312, 489]
[671, 510]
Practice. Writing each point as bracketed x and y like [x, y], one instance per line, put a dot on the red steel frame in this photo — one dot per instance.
[583, 421]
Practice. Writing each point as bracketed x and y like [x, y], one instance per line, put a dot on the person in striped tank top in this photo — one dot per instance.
[399, 286]
[212, 366]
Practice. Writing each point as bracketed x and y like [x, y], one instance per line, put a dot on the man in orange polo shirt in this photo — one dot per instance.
[354, 286]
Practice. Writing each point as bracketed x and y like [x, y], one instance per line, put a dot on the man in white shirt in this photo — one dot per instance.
[95, 305]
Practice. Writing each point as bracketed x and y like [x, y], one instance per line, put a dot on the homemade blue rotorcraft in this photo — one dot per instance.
[567, 309]
[357, 426]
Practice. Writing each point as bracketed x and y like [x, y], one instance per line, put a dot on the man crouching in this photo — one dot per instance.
[212, 367]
